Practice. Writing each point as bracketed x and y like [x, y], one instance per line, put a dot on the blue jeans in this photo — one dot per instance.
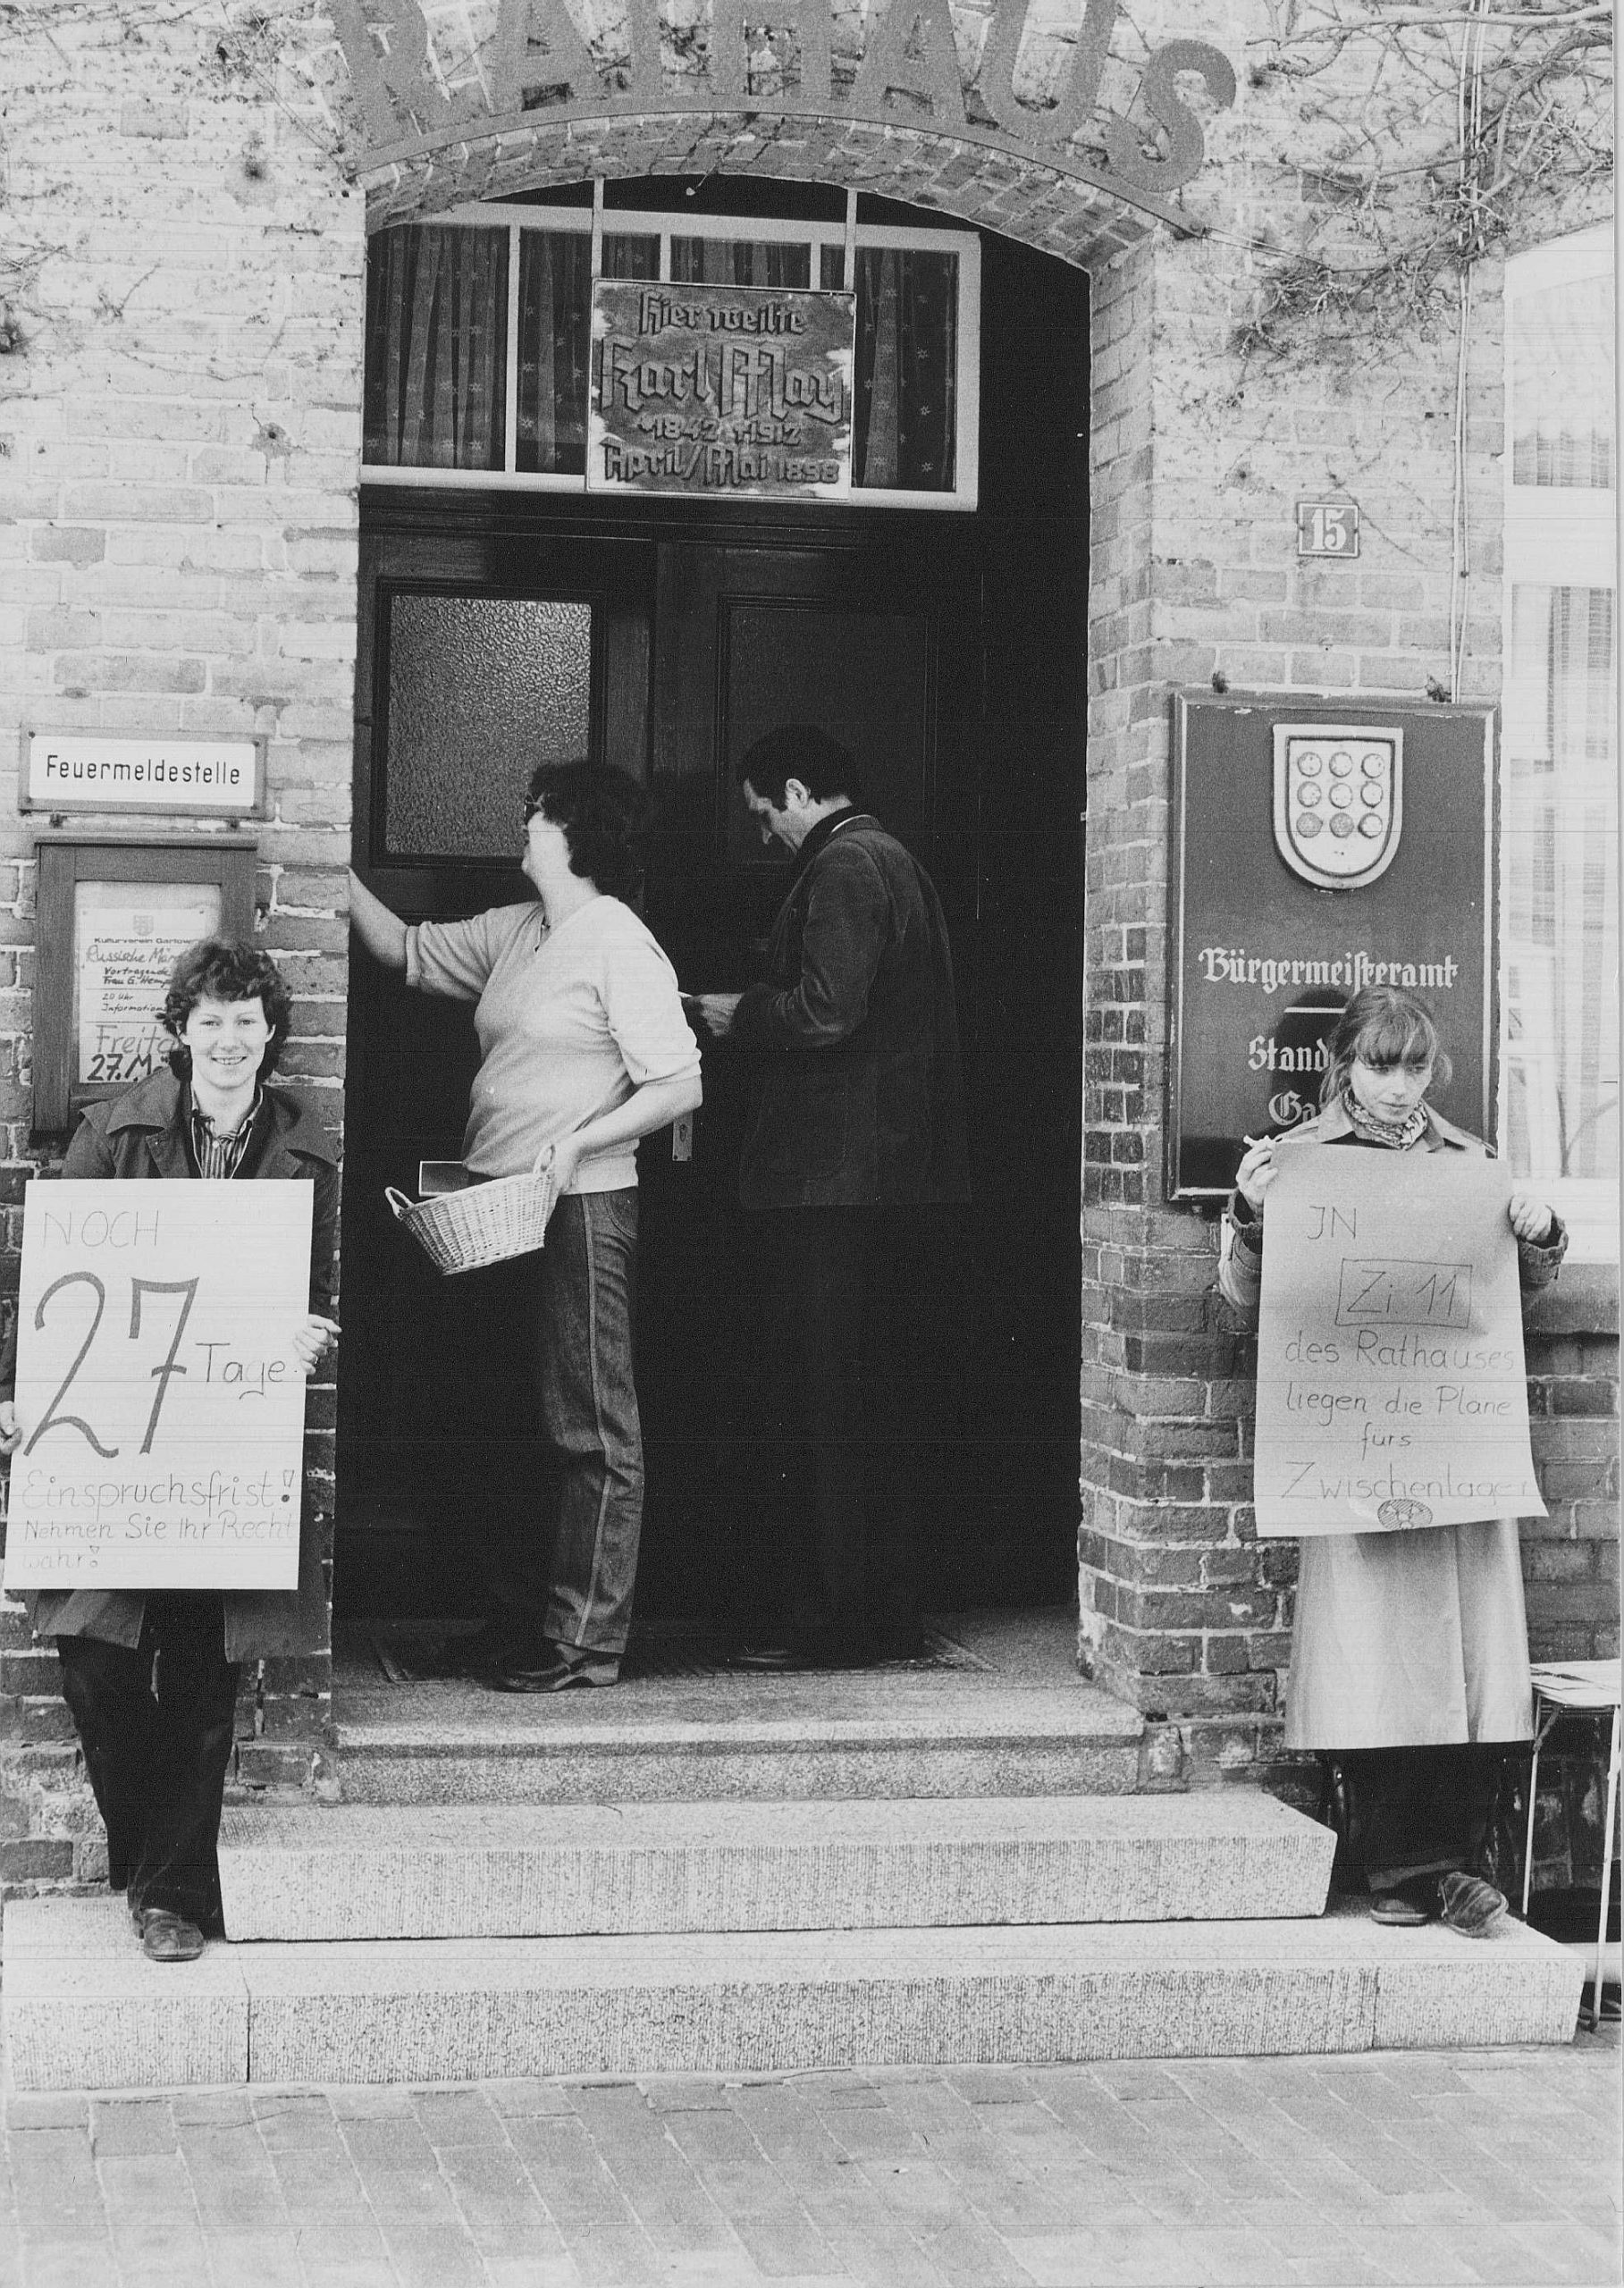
[574, 1303]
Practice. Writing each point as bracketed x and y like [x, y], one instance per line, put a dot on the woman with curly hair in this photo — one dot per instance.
[151, 1675]
[584, 1049]
[1409, 1650]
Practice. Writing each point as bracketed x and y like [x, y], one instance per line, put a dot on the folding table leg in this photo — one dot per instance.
[1528, 1853]
[1612, 1806]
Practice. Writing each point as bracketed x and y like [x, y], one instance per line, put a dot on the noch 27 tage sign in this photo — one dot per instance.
[163, 1409]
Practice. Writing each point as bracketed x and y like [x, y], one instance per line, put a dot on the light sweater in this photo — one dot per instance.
[571, 1022]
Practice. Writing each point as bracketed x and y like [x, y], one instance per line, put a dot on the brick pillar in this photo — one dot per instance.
[1183, 1613]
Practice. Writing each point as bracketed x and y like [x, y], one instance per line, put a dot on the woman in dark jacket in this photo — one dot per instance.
[151, 1675]
[1409, 1651]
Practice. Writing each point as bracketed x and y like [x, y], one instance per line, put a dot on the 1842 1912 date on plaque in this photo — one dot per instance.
[161, 1402]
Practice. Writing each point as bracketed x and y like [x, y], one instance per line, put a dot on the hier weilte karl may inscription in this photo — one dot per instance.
[721, 391]
[1319, 845]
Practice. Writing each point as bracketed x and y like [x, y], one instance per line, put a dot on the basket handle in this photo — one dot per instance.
[402, 1207]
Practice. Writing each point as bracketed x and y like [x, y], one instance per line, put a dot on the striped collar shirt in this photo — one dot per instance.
[219, 1156]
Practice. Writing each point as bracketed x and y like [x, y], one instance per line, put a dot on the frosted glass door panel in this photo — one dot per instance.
[481, 689]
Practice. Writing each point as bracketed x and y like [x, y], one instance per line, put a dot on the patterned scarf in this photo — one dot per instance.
[1377, 1131]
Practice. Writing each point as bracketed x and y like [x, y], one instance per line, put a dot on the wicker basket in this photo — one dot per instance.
[461, 1231]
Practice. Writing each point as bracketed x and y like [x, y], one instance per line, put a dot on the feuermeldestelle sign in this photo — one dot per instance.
[1390, 1384]
[162, 1406]
[720, 393]
[144, 773]
[1319, 847]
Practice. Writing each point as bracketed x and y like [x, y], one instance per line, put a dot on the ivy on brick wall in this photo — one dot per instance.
[1417, 139]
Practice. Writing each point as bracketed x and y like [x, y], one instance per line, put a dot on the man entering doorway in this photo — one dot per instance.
[854, 1145]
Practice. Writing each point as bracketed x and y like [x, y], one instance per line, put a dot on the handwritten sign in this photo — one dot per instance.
[1390, 1390]
[127, 937]
[721, 391]
[162, 1406]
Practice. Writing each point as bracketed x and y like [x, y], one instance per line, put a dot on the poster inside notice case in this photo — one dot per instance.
[162, 1406]
[720, 393]
[1390, 1390]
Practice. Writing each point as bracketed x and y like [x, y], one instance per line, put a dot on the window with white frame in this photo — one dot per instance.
[1560, 814]
[479, 340]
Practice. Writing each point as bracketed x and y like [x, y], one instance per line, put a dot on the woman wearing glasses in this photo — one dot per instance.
[583, 1049]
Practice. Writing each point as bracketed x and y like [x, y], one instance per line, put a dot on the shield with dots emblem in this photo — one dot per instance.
[1339, 801]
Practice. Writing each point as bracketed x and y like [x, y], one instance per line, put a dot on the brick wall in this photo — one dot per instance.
[1199, 455]
[178, 438]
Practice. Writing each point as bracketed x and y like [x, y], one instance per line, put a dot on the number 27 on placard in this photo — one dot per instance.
[186, 1289]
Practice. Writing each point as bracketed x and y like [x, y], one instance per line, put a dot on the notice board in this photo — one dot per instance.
[162, 1406]
[1391, 1389]
[1274, 922]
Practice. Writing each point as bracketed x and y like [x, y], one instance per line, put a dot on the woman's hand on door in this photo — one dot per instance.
[381, 932]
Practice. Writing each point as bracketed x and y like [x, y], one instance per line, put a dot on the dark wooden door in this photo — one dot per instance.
[481, 653]
[948, 651]
[877, 641]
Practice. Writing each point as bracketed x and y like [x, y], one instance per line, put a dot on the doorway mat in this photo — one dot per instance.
[409, 1652]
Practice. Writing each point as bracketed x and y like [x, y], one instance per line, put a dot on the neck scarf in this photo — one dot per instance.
[1409, 1132]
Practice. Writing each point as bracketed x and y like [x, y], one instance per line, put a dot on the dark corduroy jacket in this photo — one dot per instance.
[857, 1097]
[141, 1135]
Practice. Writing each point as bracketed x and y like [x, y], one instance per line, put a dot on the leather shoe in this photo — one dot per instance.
[1398, 1912]
[556, 1668]
[1470, 1906]
[166, 1937]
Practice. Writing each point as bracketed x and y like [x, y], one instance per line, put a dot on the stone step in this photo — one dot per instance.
[513, 1871]
[761, 1737]
[84, 2010]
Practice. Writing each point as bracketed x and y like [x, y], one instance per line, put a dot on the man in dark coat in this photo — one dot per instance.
[856, 1143]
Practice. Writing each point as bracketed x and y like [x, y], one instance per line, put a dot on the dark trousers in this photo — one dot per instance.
[571, 1309]
[1407, 1813]
[155, 1723]
[839, 1379]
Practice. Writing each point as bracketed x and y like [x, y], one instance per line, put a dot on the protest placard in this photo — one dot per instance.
[1390, 1390]
[161, 1402]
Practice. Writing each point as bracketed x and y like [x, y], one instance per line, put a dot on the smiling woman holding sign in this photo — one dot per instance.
[151, 1675]
[1409, 1652]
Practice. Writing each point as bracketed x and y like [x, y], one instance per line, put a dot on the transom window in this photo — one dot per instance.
[479, 340]
[1560, 937]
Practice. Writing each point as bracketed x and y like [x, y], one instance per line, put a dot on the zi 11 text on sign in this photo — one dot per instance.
[1390, 1390]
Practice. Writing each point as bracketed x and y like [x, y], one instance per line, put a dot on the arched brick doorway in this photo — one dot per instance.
[1005, 638]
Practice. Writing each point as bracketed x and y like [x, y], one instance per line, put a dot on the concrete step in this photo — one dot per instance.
[83, 2010]
[737, 1737]
[512, 1871]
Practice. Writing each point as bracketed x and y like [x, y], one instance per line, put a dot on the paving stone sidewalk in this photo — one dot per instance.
[1494, 2165]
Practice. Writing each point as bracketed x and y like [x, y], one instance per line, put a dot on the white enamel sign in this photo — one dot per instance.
[78, 770]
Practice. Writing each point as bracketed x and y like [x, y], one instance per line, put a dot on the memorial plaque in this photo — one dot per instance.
[161, 1405]
[1271, 933]
[720, 393]
[1391, 1386]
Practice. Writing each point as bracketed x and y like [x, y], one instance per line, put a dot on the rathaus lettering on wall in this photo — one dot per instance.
[535, 66]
